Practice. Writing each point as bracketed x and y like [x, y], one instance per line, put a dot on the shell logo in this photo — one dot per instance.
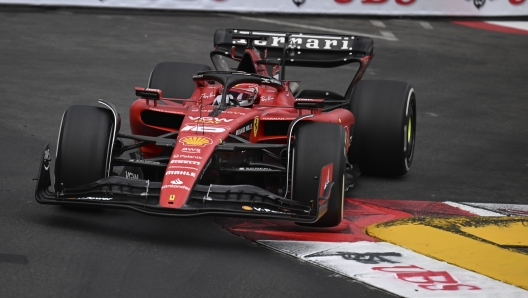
[196, 141]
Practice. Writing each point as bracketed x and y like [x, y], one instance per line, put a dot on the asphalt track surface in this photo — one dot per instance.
[472, 142]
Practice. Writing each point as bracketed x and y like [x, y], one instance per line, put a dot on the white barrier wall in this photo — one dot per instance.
[370, 7]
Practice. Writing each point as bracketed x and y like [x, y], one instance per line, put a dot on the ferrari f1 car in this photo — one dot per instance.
[240, 140]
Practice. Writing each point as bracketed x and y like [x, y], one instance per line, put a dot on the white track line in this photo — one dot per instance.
[378, 24]
[385, 35]
[506, 209]
[388, 35]
[474, 210]
[426, 25]
[515, 25]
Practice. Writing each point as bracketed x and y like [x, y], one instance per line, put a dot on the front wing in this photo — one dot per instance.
[143, 196]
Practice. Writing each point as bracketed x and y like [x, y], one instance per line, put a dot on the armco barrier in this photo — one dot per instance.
[344, 7]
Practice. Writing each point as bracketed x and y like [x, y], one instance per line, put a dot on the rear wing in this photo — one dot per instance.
[302, 49]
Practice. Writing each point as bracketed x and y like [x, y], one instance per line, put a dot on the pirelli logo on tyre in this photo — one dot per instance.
[196, 141]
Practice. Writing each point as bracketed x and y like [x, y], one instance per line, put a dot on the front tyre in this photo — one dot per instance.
[384, 134]
[83, 149]
[317, 145]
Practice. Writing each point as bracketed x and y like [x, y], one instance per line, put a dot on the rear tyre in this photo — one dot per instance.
[316, 145]
[385, 130]
[174, 79]
[83, 150]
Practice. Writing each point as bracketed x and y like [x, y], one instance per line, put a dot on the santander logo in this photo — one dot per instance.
[177, 181]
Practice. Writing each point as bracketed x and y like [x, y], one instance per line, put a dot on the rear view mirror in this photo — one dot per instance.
[148, 93]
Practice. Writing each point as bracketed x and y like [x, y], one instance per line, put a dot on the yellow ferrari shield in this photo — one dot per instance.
[255, 126]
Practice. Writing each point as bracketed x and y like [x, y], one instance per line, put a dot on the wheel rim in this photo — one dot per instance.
[411, 133]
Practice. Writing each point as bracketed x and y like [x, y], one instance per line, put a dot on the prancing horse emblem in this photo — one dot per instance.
[255, 126]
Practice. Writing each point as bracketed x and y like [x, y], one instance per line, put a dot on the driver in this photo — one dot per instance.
[240, 97]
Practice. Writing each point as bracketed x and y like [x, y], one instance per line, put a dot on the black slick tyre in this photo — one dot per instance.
[174, 79]
[84, 145]
[317, 145]
[385, 130]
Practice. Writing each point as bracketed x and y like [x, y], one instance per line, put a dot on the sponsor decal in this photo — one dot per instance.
[95, 198]
[400, 2]
[145, 161]
[266, 98]
[46, 159]
[271, 81]
[276, 118]
[210, 120]
[244, 129]
[223, 112]
[298, 2]
[247, 208]
[426, 279]
[186, 162]
[130, 175]
[393, 268]
[255, 126]
[177, 181]
[306, 42]
[176, 186]
[191, 150]
[196, 141]
[210, 95]
[479, 3]
[205, 128]
[182, 167]
[364, 258]
[184, 173]
[254, 169]
[171, 197]
[266, 210]
[326, 177]
[187, 156]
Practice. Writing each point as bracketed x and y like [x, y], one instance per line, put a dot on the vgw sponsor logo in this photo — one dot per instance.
[210, 120]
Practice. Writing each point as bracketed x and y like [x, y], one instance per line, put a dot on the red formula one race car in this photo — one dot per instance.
[238, 141]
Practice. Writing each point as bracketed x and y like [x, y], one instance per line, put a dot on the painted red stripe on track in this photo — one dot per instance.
[417, 208]
[356, 217]
[490, 27]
